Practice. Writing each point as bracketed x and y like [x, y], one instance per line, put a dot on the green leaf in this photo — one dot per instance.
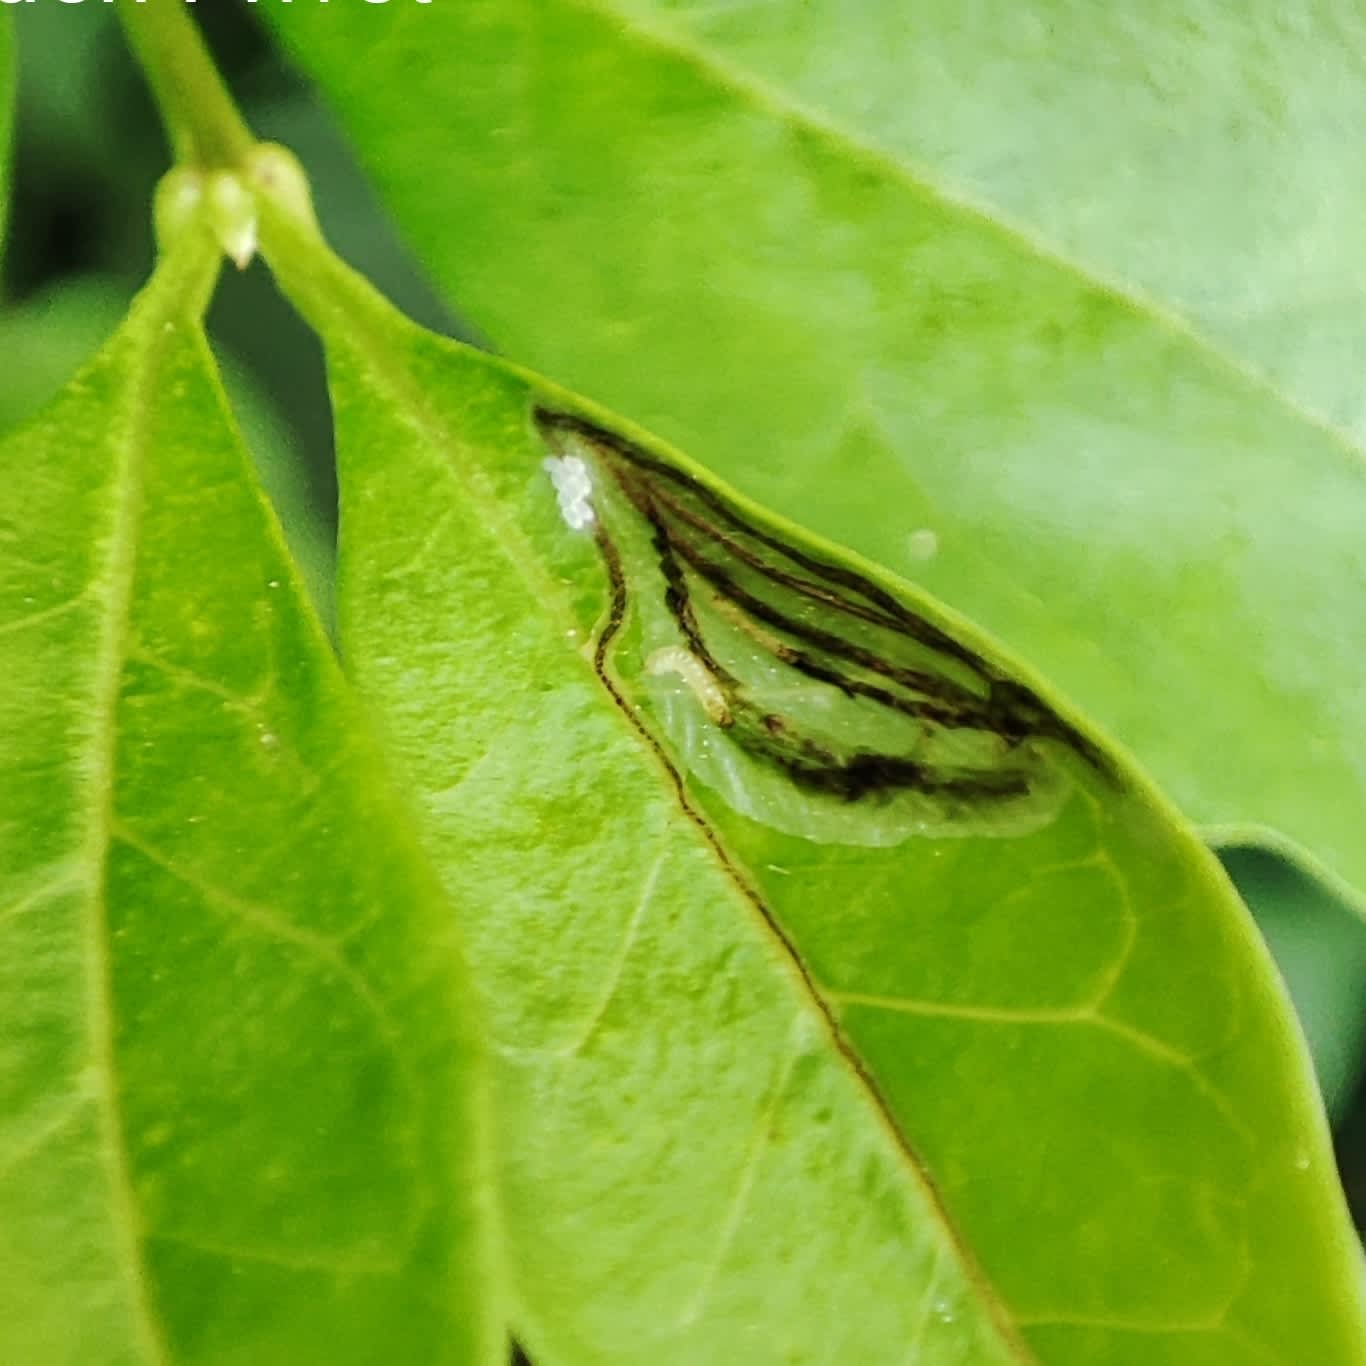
[59, 328]
[828, 964]
[1052, 300]
[238, 1120]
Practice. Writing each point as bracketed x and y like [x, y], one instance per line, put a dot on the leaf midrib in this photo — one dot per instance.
[128, 485]
[411, 401]
[762, 95]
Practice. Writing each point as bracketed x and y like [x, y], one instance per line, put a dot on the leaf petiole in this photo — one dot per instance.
[205, 128]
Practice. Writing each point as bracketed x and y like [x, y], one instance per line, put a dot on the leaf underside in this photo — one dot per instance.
[860, 975]
[971, 344]
[236, 1114]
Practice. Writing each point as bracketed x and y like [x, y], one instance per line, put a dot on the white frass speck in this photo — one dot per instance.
[922, 544]
[572, 488]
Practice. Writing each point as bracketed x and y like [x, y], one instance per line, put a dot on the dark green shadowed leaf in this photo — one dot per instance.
[56, 331]
[1320, 947]
[827, 963]
[6, 115]
[989, 300]
[238, 1120]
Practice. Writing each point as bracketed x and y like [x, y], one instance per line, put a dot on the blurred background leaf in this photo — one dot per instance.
[6, 114]
[88, 153]
[1321, 950]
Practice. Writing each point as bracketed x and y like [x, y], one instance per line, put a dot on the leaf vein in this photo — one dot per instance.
[59, 609]
[615, 972]
[341, 1267]
[326, 952]
[117, 594]
[744, 1186]
[42, 1133]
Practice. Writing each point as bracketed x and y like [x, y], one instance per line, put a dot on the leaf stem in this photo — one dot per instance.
[326, 292]
[203, 124]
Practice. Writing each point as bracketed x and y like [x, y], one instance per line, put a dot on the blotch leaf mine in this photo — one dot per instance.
[812, 698]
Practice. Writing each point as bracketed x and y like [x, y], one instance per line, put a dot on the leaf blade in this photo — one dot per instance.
[287, 1149]
[911, 350]
[549, 802]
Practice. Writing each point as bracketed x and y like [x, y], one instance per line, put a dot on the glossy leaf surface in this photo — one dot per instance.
[827, 962]
[1024, 307]
[237, 1115]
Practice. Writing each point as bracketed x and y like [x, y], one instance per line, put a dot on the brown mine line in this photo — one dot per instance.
[1006, 712]
[678, 600]
[901, 617]
[869, 779]
[954, 699]
[1014, 701]
[961, 708]
[839, 1039]
[806, 762]
[1009, 709]
[611, 445]
[1012, 710]
[868, 774]
[806, 588]
[928, 710]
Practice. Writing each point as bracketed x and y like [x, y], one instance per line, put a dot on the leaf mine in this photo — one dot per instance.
[810, 697]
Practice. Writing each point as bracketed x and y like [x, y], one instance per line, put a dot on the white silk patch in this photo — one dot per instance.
[573, 487]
